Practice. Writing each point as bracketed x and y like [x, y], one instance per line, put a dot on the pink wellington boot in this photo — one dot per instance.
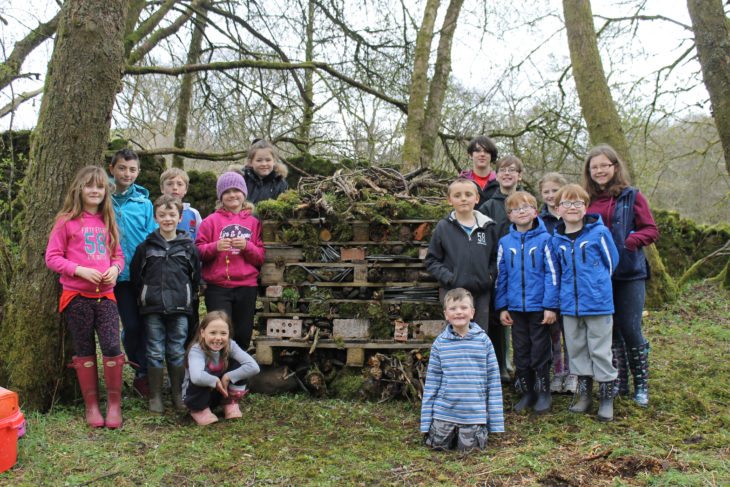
[88, 376]
[204, 417]
[113, 378]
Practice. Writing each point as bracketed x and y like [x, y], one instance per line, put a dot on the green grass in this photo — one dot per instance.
[681, 439]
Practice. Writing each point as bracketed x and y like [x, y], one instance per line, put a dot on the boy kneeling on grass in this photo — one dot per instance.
[462, 399]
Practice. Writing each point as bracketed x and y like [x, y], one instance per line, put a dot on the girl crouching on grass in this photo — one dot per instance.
[215, 370]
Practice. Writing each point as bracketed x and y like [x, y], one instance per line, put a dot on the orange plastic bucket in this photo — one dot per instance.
[11, 420]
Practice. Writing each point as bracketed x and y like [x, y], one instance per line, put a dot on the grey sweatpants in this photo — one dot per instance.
[588, 340]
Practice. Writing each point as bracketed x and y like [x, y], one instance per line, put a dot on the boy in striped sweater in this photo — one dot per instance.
[462, 399]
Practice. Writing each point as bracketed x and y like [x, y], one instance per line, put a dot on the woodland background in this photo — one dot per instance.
[334, 83]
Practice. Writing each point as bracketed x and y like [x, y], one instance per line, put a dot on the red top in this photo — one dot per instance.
[645, 229]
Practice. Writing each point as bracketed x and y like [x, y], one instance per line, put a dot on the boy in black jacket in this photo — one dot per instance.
[463, 249]
[166, 273]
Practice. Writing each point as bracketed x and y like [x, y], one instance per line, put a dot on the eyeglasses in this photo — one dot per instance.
[521, 209]
[507, 170]
[573, 204]
[600, 167]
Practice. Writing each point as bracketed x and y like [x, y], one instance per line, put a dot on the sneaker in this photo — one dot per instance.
[556, 385]
[204, 417]
[570, 384]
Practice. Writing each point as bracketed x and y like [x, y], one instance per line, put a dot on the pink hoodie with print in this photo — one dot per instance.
[231, 268]
[81, 242]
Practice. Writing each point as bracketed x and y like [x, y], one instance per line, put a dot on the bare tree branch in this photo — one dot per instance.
[271, 65]
[10, 69]
[18, 100]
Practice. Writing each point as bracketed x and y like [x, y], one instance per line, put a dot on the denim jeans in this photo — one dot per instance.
[628, 302]
[166, 336]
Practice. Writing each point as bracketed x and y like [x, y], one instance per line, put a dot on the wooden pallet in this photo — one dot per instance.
[355, 348]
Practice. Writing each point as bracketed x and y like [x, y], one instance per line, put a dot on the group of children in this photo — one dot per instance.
[568, 282]
[122, 257]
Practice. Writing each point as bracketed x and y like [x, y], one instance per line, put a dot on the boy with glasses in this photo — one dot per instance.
[527, 299]
[586, 257]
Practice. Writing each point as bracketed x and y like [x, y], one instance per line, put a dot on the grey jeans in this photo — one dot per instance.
[463, 437]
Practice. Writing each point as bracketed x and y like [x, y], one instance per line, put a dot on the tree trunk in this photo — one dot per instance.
[419, 86]
[439, 83]
[712, 39]
[72, 131]
[305, 128]
[597, 105]
[604, 125]
[186, 88]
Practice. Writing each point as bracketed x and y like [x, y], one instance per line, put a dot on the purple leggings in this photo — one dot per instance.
[84, 316]
[560, 351]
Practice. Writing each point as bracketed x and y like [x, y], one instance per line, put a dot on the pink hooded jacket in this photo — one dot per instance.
[232, 268]
[81, 242]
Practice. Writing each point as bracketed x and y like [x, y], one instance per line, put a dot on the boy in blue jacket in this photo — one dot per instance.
[135, 218]
[527, 299]
[462, 398]
[586, 257]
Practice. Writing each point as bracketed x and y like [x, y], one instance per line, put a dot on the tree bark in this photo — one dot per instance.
[305, 128]
[712, 39]
[439, 83]
[419, 87]
[72, 131]
[596, 102]
[604, 125]
[186, 88]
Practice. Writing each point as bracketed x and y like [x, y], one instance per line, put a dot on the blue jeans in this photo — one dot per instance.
[133, 329]
[166, 336]
[628, 302]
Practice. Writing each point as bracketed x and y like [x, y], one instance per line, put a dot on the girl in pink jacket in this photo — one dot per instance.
[232, 252]
[84, 249]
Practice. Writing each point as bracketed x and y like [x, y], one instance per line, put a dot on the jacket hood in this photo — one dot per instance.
[538, 227]
[474, 332]
[280, 171]
[589, 221]
[469, 174]
[156, 238]
[482, 220]
[232, 216]
[134, 191]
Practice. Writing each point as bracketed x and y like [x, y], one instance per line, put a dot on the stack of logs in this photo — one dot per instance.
[371, 292]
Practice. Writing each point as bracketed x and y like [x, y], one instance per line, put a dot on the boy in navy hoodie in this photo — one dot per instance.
[586, 257]
[166, 274]
[463, 249]
[527, 299]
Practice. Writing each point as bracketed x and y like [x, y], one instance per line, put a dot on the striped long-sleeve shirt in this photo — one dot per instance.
[462, 382]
